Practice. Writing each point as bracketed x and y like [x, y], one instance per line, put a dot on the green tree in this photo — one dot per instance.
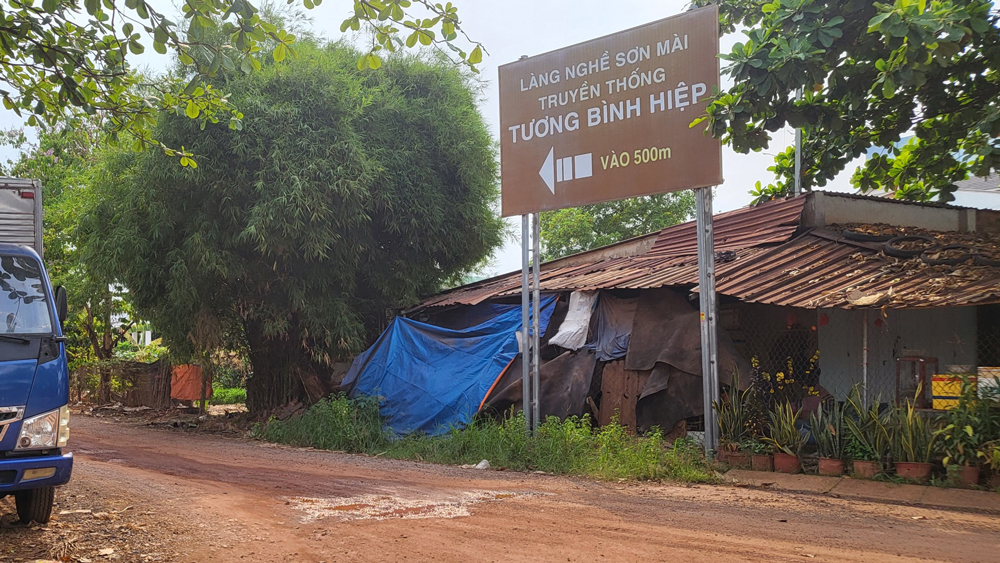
[576, 229]
[61, 55]
[62, 158]
[869, 73]
[347, 193]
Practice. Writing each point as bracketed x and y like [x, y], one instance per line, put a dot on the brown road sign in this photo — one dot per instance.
[610, 118]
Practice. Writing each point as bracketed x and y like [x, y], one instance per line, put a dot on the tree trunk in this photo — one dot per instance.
[104, 385]
[161, 385]
[276, 364]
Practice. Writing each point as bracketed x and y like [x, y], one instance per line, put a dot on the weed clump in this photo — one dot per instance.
[573, 446]
[228, 396]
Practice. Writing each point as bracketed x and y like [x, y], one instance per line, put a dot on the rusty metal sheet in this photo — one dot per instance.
[823, 272]
[817, 269]
[769, 223]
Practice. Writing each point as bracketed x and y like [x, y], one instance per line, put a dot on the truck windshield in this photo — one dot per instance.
[24, 307]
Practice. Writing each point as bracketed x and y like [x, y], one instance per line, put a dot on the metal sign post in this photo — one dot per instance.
[603, 120]
[535, 314]
[525, 341]
[530, 314]
[709, 331]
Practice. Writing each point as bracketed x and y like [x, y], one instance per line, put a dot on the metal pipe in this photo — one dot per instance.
[709, 332]
[864, 360]
[535, 331]
[525, 355]
[798, 153]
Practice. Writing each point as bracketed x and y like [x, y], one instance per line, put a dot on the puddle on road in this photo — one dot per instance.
[384, 507]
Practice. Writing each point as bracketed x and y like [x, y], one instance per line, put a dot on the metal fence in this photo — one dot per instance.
[780, 339]
[861, 347]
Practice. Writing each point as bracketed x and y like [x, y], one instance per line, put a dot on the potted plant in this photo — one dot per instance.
[734, 424]
[912, 443]
[827, 427]
[964, 434]
[868, 436]
[786, 438]
[864, 462]
[760, 455]
[991, 459]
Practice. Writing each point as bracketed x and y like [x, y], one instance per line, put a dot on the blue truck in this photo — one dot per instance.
[34, 375]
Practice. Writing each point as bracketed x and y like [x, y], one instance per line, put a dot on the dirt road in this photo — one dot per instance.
[143, 494]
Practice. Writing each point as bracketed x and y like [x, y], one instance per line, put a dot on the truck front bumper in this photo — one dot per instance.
[18, 474]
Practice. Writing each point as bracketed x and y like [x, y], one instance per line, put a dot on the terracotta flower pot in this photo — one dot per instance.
[785, 463]
[762, 462]
[739, 460]
[865, 469]
[917, 471]
[968, 476]
[831, 467]
[993, 481]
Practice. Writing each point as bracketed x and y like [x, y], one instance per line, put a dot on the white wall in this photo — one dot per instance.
[948, 334]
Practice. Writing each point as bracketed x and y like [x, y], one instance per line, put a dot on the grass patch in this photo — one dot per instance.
[228, 396]
[568, 447]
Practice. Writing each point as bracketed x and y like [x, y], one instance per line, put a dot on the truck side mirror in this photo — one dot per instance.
[62, 305]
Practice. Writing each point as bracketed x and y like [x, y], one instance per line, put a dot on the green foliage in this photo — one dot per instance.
[62, 158]
[334, 423]
[734, 415]
[228, 396]
[504, 443]
[785, 435]
[870, 430]
[991, 455]
[337, 202]
[869, 73]
[857, 450]
[388, 21]
[769, 391]
[132, 352]
[913, 437]
[969, 427]
[829, 430]
[755, 446]
[570, 446]
[230, 370]
[576, 229]
[64, 56]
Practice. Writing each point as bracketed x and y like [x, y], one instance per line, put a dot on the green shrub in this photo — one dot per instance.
[504, 443]
[570, 447]
[228, 396]
[335, 423]
[828, 428]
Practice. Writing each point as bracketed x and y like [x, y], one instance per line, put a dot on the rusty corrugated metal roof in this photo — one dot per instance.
[769, 223]
[670, 261]
[817, 269]
[822, 270]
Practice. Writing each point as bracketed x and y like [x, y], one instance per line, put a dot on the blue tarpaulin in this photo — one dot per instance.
[431, 378]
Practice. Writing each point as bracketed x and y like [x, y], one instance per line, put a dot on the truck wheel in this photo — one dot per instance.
[35, 504]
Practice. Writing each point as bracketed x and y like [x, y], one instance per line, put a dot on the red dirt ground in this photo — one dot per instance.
[161, 495]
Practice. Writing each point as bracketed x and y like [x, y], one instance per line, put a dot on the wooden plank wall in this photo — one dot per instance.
[620, 389]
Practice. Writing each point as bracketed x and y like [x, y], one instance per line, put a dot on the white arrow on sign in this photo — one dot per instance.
[565, 169]
[548, 172]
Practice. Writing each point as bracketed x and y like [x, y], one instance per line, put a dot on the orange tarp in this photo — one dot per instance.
[185, 383]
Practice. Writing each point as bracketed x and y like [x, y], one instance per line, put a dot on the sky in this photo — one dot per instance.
[511, 28]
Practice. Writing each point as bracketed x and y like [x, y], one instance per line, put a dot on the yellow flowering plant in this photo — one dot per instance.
[788, 386]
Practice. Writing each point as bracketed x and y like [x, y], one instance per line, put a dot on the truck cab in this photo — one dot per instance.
[34, 374]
